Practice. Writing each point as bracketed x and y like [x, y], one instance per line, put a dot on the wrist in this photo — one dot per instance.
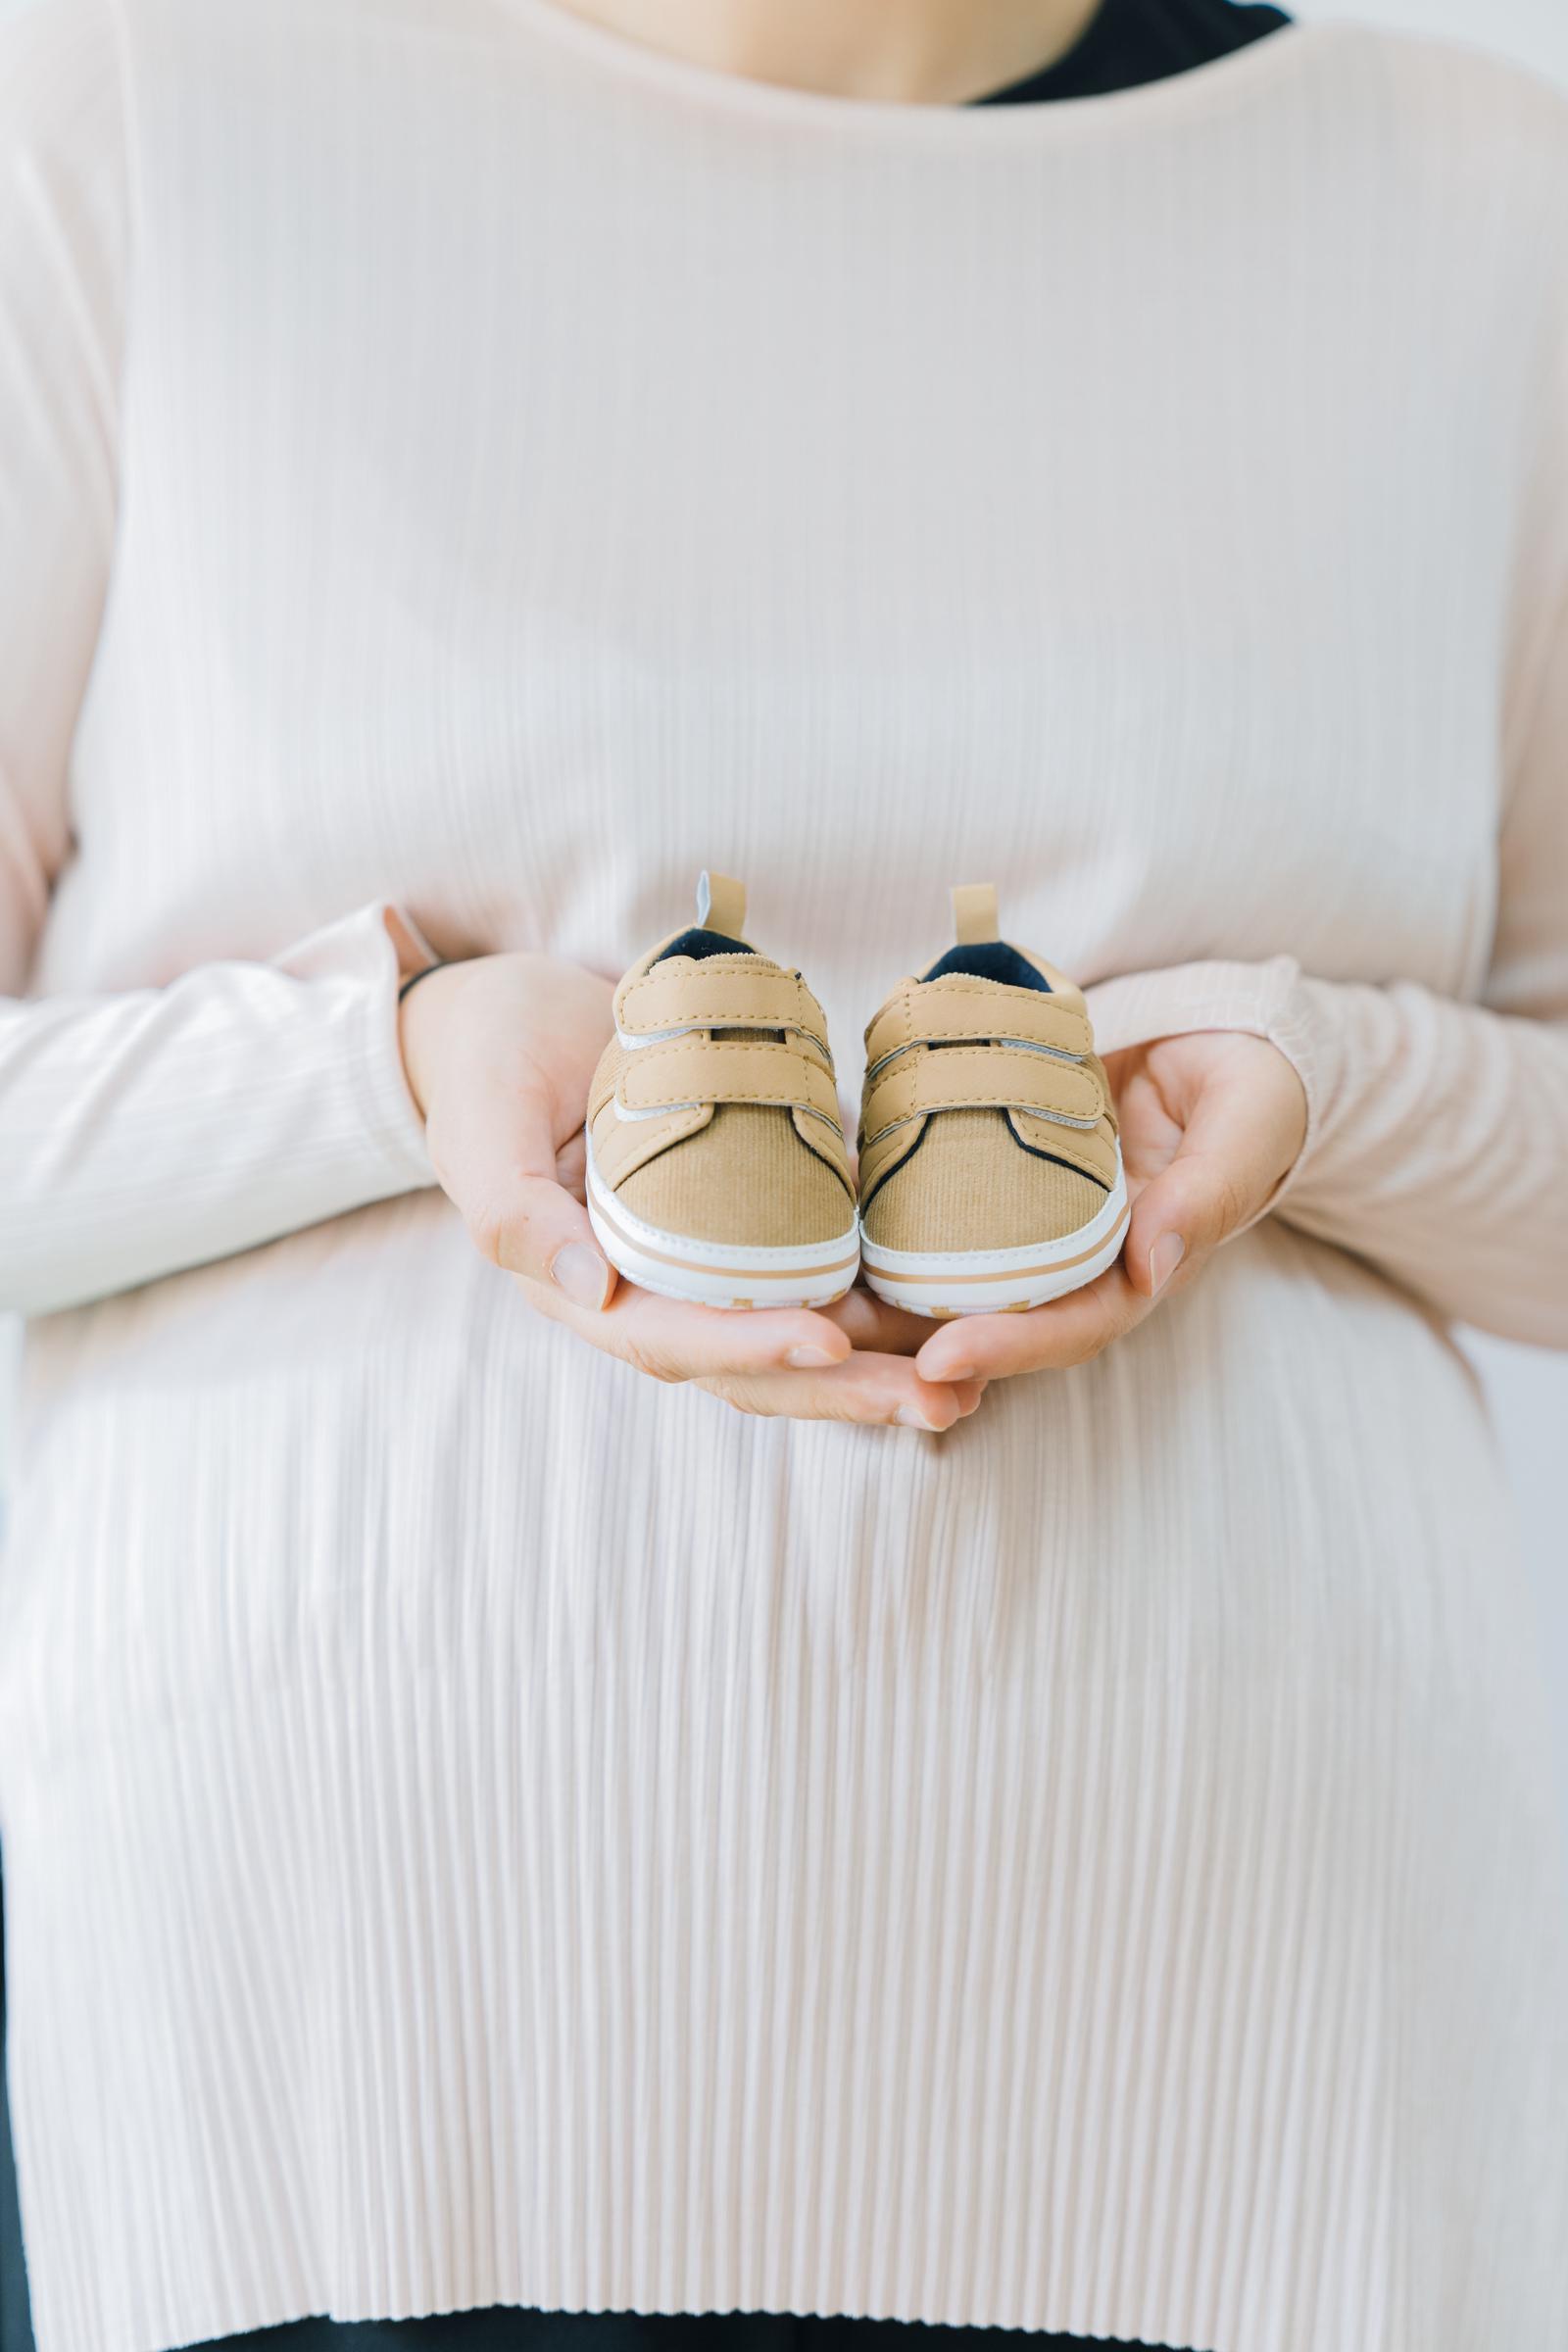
[422, 1004]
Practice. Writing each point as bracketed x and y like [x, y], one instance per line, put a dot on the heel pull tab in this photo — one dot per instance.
[721, 904]
[974, 913]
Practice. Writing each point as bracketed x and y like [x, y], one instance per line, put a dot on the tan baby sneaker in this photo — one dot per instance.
[991, 1172]
[716, 1165]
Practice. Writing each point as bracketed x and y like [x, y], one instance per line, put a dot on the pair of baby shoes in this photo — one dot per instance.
[990, 1171]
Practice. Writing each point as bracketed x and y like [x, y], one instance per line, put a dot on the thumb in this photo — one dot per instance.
[495, 1153]
[1224, 1172]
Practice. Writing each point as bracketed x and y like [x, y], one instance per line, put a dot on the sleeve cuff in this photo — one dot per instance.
[1269, 1000]
[365, 957]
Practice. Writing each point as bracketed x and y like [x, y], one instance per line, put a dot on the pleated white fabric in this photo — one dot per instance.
[478, 1825]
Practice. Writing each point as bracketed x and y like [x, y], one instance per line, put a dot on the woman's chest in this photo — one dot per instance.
[514, 567]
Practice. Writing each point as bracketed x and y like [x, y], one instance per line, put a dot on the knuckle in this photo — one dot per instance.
[1232, 1205]
[1062, 1355]
[653, 1362]
[1086, 1343]
[509, 1234]
[505, 1237]
[1096, 1341]
[488, 1230]
[1219, 1199]
[732, 1392]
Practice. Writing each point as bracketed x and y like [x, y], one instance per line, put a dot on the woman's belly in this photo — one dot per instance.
[406, 1713]
[1282, 1483]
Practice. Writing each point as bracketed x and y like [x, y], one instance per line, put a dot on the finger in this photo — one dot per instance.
[497, 1161]
[671, 1339]
[874, 1325]
[866, 1387]
[542, 1232]
[1222, 1174]
[1069, 1330]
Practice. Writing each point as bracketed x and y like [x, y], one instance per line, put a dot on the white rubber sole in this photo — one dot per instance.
[999, 1281]
[714, 1273]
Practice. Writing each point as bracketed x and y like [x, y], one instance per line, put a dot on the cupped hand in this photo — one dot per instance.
[500, 1052]
[1211, 1126]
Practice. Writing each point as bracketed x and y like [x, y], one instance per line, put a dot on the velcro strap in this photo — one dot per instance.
[698, 998]
[983, 1078]
[946, 1011]
[705, 1069]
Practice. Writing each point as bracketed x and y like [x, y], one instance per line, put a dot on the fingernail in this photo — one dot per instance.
[581, 1273]
[809, 1359]
[950, 1372]
[1164, 1259]
[911, 1417]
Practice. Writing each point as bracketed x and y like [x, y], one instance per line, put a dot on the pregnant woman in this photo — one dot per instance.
[1038, 1820]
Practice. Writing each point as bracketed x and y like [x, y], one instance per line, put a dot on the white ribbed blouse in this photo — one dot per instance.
[480, 1825]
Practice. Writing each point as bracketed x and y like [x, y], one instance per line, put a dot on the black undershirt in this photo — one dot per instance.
[1133, 41]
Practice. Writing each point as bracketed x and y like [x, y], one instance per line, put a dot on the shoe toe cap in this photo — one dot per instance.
[744, 1178]
[969, 1184]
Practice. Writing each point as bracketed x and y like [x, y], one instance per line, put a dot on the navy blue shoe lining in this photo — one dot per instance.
[698, 942]
[990, 959]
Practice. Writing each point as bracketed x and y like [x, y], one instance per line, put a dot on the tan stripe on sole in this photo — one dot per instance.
[1055, 1266]
[691, 1265]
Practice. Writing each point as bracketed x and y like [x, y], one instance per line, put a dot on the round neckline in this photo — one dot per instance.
[962, 122]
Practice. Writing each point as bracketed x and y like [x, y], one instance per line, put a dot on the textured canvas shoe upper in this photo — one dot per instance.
[987, 1120]
[714, 1112]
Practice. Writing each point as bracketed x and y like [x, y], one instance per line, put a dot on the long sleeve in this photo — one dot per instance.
[1439, 1141]
[1437, 1145]
[144, 1132]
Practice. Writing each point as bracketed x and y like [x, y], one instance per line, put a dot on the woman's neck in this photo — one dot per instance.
[917, 52]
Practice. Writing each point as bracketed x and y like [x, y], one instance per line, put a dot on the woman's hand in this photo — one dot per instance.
[1211, 1126]
[500, 1054]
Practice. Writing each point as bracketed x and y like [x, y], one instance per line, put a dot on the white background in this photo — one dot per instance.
[1529, 1391]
